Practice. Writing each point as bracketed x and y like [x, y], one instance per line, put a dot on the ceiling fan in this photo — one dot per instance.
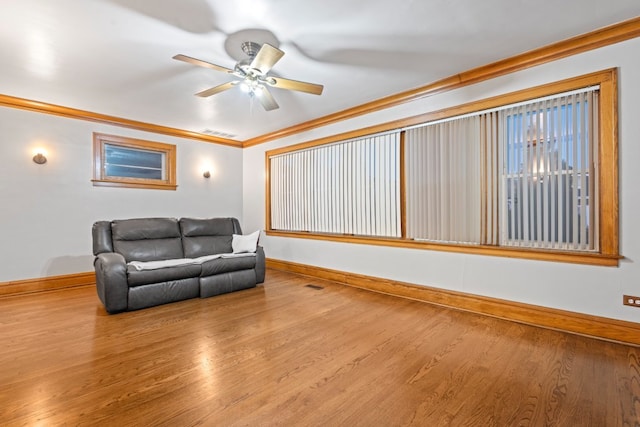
[253, 72]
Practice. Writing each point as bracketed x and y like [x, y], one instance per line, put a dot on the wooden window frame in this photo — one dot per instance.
[101, 180]
[608, 255]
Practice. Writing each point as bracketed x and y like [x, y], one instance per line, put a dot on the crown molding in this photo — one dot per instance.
[612, 34]
[58, 110]
[606, 36]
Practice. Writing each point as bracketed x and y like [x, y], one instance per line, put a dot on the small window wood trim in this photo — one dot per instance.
[102, 178]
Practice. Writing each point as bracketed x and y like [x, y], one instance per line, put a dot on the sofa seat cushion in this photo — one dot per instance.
[225, 265]
[144, 277]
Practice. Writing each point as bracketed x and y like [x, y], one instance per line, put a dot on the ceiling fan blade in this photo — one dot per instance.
[217, 89]
[202, 63]
[266, 58]
[281, 83]
[267, 100]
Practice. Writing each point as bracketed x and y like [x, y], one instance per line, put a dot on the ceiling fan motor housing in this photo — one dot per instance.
[243, 67]
[250, 48]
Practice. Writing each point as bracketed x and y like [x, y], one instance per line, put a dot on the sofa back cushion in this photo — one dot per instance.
[147, 239]
[202, 237]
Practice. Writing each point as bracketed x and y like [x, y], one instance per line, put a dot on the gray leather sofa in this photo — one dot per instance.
[123, 287]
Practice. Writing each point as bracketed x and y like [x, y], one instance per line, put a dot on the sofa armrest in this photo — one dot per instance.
[260, 264]
[111, 281]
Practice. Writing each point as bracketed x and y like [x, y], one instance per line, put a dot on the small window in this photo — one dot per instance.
[133, 163]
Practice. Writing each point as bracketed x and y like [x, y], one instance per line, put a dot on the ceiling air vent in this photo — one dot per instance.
[218, 133]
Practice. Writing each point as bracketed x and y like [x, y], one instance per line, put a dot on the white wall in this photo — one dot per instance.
[580, 288]
[46, 211]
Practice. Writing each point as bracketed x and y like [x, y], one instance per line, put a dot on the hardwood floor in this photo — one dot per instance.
[288, 354]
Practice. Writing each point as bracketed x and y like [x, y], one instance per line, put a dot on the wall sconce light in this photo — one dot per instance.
[40, 159]
[206, 168]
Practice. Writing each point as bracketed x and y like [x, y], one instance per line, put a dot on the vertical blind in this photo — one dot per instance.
[352, 187]
[490, 181]
[522, 175]
[443, 181]
[550, 168]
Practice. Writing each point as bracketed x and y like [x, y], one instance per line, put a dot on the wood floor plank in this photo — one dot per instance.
[288, 354]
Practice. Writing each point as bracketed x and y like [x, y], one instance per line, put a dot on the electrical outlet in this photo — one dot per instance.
[631, 301]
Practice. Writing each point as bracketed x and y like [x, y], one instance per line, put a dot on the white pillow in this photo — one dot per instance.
[246, 243]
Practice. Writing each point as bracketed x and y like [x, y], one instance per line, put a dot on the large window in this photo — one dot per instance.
[127, 162]
[531, 174]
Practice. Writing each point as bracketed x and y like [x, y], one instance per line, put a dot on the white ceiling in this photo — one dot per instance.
[114, 57]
